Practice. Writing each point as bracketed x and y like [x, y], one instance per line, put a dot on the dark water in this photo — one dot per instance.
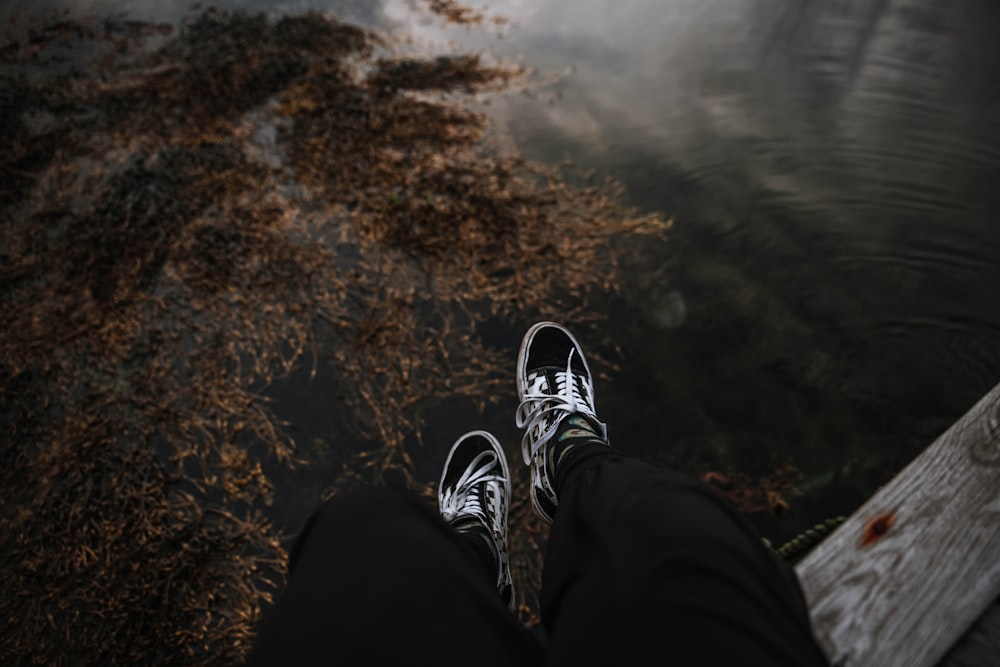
[829, 295]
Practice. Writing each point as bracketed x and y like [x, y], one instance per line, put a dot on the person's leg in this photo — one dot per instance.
[646, 562]
[642, 564]
[379, 577]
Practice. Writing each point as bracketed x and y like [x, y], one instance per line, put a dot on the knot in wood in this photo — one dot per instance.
[877, 527]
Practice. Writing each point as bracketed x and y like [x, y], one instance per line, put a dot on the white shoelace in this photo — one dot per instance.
[463, 498]
[540, 413]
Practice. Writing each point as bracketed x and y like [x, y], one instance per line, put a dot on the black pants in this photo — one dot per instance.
[643, 566]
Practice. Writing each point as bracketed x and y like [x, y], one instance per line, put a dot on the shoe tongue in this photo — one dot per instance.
[550, 374]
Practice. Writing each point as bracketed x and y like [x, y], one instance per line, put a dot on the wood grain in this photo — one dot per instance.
[912, 593]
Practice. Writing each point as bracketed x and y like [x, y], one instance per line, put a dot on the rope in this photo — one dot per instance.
[797, 547]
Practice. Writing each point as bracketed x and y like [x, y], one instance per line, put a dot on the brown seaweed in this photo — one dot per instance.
[182, 226]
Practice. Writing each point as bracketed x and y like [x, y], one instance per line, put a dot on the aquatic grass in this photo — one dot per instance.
[185, 225]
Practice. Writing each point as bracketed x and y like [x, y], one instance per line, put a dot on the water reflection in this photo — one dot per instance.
[830, 292]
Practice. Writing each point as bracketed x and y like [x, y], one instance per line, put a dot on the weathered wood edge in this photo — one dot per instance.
[912, 594]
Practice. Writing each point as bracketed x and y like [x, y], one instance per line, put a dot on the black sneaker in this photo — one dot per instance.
[475, 486]
[553, 383]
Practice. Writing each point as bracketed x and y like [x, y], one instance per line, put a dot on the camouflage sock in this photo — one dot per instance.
[574, 430]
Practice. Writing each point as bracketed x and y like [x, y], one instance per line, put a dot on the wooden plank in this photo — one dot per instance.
[914, 590]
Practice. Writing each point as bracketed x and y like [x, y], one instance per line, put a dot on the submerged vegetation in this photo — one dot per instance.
[182, 225]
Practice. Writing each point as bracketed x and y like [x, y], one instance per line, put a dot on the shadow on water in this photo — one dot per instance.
[826, 304]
